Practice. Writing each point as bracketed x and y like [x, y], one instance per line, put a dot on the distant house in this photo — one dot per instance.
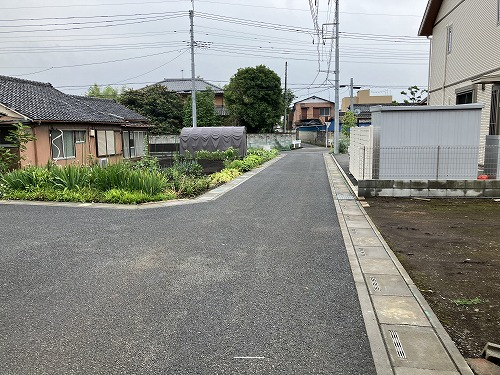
[183, 87]
[68, 128]
[465, 58]
[365, 97]
[312, 110]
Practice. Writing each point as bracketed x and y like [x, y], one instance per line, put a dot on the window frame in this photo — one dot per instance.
[70, 134]
[449, 39]
[498, 13]
[324, 109]
[106, 146]
[133, 137]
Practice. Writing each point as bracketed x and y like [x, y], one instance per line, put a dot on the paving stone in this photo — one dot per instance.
[362, 232]
[372, 252]
[378, 266]
[399, 310]
[387, 285]
[366, 241]
[419, 371]
[422, 349]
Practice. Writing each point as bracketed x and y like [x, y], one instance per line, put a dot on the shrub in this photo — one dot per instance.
[185, 167]
[223, 176]
[235, 164]
[124, 196]
[148, 163]
[28, 178]
[188, 186]
[69, 177]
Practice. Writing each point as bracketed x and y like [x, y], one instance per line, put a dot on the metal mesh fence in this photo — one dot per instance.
[426, 163]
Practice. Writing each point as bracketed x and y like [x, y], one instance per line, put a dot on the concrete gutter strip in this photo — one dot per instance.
[405, 335]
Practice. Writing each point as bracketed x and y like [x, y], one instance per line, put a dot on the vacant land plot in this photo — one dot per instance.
[451, 249]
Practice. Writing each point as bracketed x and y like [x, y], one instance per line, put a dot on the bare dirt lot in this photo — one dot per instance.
[451, 249]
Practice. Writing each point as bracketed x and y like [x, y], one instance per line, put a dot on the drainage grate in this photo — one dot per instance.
[376, 287]
[397, 344]
[345, 197]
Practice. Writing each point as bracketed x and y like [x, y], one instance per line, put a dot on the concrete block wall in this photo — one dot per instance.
[261, 140]
[429, 188]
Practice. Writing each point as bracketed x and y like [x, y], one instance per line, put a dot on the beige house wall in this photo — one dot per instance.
[38, 152]
[311, 108]
[364, 97]
[474, 52]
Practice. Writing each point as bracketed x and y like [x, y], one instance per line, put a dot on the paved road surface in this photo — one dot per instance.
[260, 272]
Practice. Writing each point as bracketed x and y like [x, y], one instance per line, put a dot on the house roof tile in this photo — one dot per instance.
[184, 85]
[40, 101]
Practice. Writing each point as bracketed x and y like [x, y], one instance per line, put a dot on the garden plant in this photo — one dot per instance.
[126, 182]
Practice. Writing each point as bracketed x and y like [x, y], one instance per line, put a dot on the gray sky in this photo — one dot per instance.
[75, 43]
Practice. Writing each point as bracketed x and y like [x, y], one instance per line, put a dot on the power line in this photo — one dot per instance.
[138, 21]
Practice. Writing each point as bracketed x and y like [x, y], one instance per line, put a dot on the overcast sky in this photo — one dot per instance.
[75, 43]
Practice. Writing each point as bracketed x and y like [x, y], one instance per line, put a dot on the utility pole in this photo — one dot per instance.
[285, 98]
[337, 80]
[351, 89]
[193, 76]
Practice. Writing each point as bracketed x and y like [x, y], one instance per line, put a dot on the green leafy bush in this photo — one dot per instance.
[188, 186]
[184, 167]
[70, 177]
[223, 176]
[28, 178]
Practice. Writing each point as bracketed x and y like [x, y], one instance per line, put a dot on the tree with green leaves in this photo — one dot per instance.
[205, 110]
[349, 120]
[18, 137]
[413, 95]
[107, 92]
[162, 107]
[254, 98]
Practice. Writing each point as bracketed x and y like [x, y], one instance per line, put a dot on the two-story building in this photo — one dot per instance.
[465, 56]
[183, 87]
[312, 110]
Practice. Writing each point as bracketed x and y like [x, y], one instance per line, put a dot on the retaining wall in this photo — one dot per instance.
[429, 188]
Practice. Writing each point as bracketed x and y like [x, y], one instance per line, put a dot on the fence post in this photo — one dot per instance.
[437, 163]
[364, 160]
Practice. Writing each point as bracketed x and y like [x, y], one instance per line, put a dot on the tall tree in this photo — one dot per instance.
[254, 98]
[413, 95]
[107, 92]
[162, 107]
[205, 110]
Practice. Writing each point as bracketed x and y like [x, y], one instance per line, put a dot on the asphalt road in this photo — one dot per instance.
[255, 282]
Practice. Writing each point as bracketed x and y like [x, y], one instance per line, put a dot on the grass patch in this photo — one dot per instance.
[467, 301]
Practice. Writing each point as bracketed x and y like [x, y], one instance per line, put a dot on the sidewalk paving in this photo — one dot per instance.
[405, 335]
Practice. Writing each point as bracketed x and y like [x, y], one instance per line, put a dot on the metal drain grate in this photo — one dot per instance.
[376, 287]
[345, 197]
[397, 344]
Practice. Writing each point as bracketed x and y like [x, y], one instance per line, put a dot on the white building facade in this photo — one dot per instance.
[465, 56]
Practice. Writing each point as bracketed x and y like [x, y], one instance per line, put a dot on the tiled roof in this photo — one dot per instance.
[41, 102]
[184, 85]
[112, 108]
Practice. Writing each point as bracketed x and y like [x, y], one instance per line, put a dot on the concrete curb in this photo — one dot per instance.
[206, 197]
[376, 305]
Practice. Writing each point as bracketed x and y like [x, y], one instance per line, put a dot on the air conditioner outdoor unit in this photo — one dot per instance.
[103, 162]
